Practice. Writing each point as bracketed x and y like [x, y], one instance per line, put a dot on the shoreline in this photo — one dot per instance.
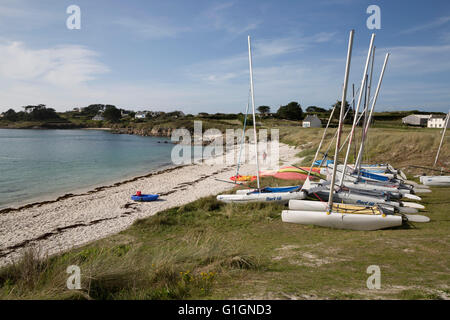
[73, 220]
[87, 190]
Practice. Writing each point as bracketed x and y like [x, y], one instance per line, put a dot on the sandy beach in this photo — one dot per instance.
[72, 220]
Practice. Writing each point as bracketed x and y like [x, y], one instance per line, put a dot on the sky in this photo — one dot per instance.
[193, 55]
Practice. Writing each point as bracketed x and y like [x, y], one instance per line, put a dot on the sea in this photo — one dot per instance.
[38, 165]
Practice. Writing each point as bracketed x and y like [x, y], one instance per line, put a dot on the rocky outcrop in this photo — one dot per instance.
[155, 131]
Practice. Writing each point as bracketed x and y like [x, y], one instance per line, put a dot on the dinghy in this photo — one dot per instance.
[279, 197]
[145, 197]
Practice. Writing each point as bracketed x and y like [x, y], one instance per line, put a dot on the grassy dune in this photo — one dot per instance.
[400, 147]
[211, 250]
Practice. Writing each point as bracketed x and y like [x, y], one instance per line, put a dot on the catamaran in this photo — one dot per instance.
[356, 217]
[281, 195]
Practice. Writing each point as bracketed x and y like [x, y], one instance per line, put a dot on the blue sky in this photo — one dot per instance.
[192, 55]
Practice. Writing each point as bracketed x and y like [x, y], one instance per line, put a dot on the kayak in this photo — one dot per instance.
[288, 175]
[299, 170]
[243, 178]
[145, 197]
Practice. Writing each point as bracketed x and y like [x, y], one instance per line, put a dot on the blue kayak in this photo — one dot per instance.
[145, 197]
[278, 189]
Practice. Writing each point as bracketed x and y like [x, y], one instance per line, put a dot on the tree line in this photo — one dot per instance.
[291, 111]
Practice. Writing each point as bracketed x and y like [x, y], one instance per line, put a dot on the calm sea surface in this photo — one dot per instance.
[40, 164]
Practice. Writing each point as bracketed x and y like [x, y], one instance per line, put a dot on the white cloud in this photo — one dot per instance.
[58, 66]
[430, 25]
[221, 18]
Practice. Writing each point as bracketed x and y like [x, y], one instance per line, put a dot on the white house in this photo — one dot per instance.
[312, 121]
[140, 115]
[416, 120]
[437, 121]
[98, 117]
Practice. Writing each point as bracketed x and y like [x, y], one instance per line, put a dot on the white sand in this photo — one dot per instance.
[75, 221]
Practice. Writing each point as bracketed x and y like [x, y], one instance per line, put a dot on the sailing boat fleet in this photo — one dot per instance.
[356, 197]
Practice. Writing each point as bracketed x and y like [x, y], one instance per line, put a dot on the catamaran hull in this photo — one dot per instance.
[363, 222]
[279, 197]
[435, 180]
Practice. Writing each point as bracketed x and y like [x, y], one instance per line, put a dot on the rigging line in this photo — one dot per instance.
[243, 135]
[324, 133]
[335, 133]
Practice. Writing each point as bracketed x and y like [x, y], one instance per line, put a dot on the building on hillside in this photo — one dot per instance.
[312, 121]
[98, 117]
[420, 120]
[437, 121]
[140, 115]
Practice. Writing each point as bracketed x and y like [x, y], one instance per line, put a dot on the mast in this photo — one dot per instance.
[375, 97]
[442, 139]
[341, 115]
[366, 111]
[363, 82]
[353, 106]
[253, 108]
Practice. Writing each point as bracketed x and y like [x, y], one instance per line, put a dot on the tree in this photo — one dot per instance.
[92, 110]
[112, 114]
[315, 109]
[338, 110]
[264, 110]
[41, 113]
[291, 111]
[10, 115]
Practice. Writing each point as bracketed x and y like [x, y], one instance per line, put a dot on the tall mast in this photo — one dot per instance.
[253, 108]
[442, 139]
[353, 107]
[363, 82]
[341, 115]
[366, 109]
[374, 102]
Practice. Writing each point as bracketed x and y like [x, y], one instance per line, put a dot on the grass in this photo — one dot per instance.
[400, 147]
[210, 250]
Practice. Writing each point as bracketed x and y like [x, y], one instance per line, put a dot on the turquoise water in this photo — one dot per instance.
[40, 164]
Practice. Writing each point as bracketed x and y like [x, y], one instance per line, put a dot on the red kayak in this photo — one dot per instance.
[290, 176]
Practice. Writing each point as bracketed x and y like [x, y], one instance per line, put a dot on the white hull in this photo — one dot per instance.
[372, 187]
[416, 185]
[341, 220]
[280, 197]
[413, 205]
[435, 180]
[411, 196]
